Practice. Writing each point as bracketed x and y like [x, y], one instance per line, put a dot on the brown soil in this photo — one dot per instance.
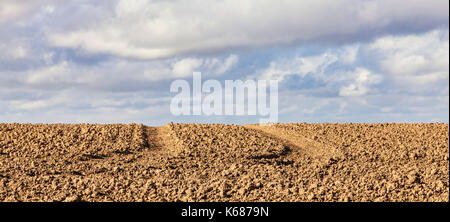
[202, 162]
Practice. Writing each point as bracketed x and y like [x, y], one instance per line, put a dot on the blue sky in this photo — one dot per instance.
[113, 61]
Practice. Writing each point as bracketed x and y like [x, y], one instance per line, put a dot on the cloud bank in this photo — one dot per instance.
[113, 61]
[160, 29]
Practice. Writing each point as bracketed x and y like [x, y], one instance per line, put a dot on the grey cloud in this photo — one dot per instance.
[159, 29]
[114, 75]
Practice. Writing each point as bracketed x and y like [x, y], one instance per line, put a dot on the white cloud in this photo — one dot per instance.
[116, 73]
[56, 74]
[158, 29]
[12, 52]
[78, 106]
[349, 54]
[314, 65]
[363, 78]
[185, 67]
[415, 64]
[13, 9]
[49, 9]
[28, 105]
[408, 63]
[413, 60]
[356, 82]
[212, 66]
[229, 63]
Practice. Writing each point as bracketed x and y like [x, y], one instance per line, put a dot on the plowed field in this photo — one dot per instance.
[215, 162]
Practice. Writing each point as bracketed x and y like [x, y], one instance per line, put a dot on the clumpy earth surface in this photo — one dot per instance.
[214, 162]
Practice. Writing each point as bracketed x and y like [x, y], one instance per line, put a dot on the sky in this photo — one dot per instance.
[88, 61]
